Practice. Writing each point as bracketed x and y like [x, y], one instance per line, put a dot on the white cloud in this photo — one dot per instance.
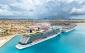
[67, 1]
[74, 10]
[42, 7]
[80, 10]
[4, 10]
[26, 4]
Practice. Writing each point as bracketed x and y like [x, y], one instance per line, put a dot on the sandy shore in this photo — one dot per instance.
[82, 24]
[5, 39]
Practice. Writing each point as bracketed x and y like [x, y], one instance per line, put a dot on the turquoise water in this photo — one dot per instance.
[72, 42]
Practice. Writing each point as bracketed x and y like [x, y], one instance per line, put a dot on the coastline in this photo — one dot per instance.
[6, 39]
[9, 37]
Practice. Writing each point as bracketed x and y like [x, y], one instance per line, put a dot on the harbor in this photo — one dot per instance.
[67, 42]
[9, 28]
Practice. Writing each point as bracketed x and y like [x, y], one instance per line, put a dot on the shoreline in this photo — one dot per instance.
[6, 40]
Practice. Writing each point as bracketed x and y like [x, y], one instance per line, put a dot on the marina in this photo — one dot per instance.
[32, 31]
[67, 42]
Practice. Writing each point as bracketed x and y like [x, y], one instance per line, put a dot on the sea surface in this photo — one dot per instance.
[71, 42]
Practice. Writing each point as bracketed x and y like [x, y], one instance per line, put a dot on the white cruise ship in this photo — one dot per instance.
[31, 39]
[68, 27]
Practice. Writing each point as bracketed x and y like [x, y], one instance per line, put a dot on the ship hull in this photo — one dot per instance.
[19, 46]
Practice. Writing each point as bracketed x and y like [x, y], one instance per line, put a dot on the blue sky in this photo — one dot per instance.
[42, 8]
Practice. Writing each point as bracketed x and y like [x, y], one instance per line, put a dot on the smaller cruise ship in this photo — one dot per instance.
[39, 36]
[68, 27]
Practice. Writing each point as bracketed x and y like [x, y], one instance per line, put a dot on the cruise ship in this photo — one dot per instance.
[39, 36]
[68, 27]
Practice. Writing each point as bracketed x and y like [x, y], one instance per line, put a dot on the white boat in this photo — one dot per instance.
[68, 28]
[44, 36]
